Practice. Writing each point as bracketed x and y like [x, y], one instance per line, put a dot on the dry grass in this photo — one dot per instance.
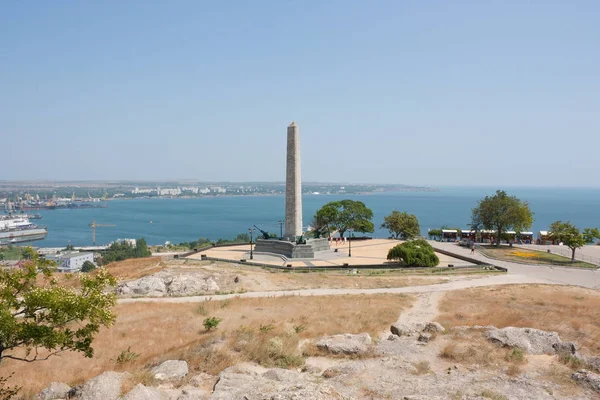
[572, 312]
[422, 368]
[162, 331]
[340, 280]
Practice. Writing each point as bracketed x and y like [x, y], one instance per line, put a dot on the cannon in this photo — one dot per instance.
[265, 234]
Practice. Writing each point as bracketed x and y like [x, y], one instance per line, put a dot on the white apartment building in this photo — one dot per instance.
[70, 261]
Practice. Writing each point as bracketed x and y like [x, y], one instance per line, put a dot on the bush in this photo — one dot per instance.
[414, 253]
[88, 266]
[211, 323]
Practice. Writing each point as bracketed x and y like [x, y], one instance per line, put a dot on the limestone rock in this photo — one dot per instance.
[565, 348]
[193, 393]
[407, 330]
[186, 285]
[203, 379]
[152, 285]
[434, 327]
[594, 363]
[532, 341]
[587, 379]
[56, 390]
[345, 343]
[170, 370]
[425, 337]
[141, 392]
[276, 384]
[106, 386]
[392, 338]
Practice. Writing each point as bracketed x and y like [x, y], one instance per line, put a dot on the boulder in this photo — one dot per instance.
[345, 343]
[433, 327]
[193, 393]
[152, 285]
[392, 338]
[106, 386]
[170, 370]
[407, 330]
[587, 379]
[425, 337]
[141, 392]
[593, 363]
[203, 379]
[187, 285]
[236, 383]
[565, 348]
[532, 341]
[56, 390]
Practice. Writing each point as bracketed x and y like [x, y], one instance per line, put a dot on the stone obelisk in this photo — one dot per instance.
[293, 185]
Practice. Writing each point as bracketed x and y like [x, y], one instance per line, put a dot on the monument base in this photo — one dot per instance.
[291, 249]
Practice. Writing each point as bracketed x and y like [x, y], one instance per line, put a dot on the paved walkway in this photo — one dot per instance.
[552, 274]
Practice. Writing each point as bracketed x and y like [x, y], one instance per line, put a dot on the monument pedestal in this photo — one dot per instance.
[291, 249]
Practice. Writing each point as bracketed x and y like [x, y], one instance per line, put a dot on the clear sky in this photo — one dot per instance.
[422, 92]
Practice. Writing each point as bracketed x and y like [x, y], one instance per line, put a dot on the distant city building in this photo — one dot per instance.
[131, 242]
[194, 190]
[169, 192]
[218, 189]
[142, 191]
[70, 261]
[204, 191]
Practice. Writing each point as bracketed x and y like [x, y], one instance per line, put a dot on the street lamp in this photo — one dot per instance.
[251, 232]
[281, 222]
[349, 242]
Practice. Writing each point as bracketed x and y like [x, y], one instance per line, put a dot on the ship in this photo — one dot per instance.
[20, 229]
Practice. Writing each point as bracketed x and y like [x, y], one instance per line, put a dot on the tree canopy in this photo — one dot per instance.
[402, 225]
[88, 266]
[345, 214]
[501, 212]
[571, 236]
[414, 253]
[37, 314]
[119, 251]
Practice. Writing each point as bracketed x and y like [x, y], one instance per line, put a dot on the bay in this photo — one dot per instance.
[181, 220]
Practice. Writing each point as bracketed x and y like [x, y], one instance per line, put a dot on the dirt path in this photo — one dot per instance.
[425, 308]
[442, 287]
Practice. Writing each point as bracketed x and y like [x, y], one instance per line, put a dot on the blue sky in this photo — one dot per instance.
[493, 93]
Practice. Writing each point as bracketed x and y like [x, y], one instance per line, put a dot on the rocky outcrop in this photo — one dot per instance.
[565, 348]
[54, 391]
[241, 383]
[345, 344]
[593, 363]
[587, 379]
[106, 386]
[170, 370]
[193, 393]
[165, 283]
[407, 330]
[434, 327]
[532, 341]
[141, 392]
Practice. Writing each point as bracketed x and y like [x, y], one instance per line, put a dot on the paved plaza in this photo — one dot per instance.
[364, 252]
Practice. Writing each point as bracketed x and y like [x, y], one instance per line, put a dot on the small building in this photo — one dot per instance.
[545, 237]
[509, 237]
[525, 237]
[70, 261]
[467, 234]
[449, 235]
[487, 236]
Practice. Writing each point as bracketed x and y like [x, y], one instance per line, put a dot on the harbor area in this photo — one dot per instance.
[342, 254]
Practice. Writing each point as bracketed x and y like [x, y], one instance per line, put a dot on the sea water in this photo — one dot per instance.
[182, 220]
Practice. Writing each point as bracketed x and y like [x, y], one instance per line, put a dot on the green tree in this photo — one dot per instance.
[435, 234]
[402, 225]
[571, 236]
[501, 212]
[88, 266]
[414, 253]
[345, 214]
[38, 314]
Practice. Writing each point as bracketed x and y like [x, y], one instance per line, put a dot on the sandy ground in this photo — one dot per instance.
[363, 252]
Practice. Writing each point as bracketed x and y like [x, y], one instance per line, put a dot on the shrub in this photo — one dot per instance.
[88, 266]
[127, 356]
[211, 323]
[414, 253]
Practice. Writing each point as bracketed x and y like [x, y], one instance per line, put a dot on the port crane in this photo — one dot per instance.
[94, 225]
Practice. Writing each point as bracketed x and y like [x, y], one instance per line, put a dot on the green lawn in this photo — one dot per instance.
[528, 256]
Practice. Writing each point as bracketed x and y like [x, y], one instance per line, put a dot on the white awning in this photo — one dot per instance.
[526, 233]
[467, 231]
[544, 233]
[449, 231]
[511, 232]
